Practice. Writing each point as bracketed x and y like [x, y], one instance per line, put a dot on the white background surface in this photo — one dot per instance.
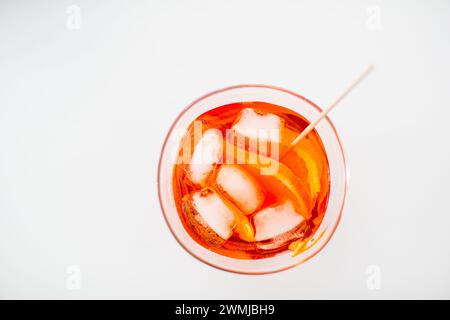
[83, 114]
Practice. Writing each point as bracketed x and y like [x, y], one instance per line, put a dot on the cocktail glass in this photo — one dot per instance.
[337, 176]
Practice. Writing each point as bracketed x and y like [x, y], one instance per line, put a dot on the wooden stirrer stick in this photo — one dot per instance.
[311, 126]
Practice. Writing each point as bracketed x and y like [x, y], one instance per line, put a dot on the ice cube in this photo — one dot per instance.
[275, 220]
[283, 239]
[211, 212]
[207, 153]
[259, 127]
[241, 187]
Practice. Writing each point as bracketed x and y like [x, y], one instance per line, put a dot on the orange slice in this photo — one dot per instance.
[307, 150]
[273, 175]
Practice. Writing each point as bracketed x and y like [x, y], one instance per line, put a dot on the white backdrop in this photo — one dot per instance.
[89, 89]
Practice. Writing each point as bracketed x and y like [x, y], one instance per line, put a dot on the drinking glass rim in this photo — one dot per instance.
[241, 86]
